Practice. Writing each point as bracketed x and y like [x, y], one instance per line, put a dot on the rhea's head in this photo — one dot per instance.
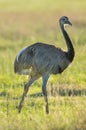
[64, 21]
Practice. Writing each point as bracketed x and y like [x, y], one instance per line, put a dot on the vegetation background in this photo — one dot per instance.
[23, 22]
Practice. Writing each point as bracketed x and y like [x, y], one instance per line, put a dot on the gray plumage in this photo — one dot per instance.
[42, 60]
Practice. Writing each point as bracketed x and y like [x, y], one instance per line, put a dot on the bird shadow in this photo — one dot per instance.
[62, 92]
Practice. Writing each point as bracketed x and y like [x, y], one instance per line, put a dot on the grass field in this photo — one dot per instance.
[23, 23]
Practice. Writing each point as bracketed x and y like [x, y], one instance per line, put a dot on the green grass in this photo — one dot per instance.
[23, 23]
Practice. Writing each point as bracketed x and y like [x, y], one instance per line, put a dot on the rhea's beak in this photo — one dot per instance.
[68, 22]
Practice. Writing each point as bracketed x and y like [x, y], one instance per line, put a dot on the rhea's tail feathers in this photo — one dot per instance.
[23, 60]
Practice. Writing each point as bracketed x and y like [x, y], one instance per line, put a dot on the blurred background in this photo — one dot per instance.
[22, 23]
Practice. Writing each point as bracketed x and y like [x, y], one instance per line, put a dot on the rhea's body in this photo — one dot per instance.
[42, 60]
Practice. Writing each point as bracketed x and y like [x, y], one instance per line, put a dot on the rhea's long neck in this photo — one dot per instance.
[70, 52]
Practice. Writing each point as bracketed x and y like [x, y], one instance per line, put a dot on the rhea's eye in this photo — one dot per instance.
[64, 19]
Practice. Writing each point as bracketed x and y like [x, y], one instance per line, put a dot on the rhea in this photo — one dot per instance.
[42, 60]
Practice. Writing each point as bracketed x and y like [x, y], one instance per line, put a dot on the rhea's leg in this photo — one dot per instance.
[26, 88]
[45, 79]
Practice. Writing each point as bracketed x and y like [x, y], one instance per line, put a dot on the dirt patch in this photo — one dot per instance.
[21, 25]
[48, 18]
